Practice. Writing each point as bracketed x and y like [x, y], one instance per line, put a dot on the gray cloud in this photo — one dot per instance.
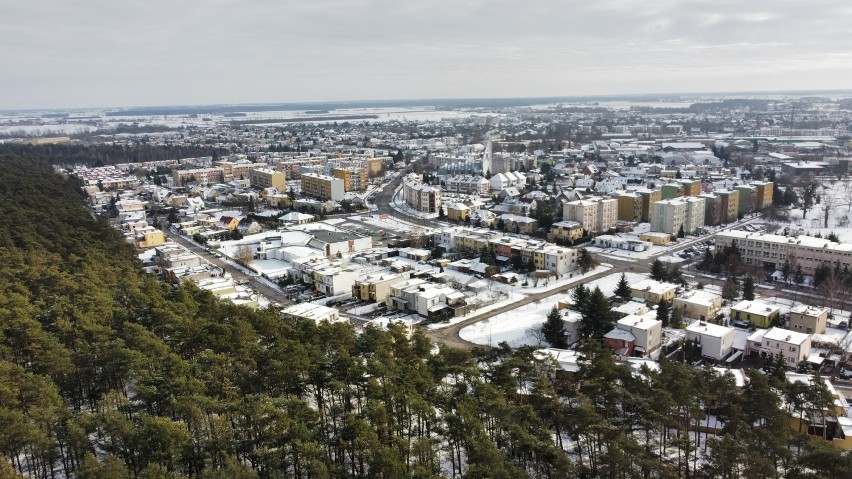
[106, 53]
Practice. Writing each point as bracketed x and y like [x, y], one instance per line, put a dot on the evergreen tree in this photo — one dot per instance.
[553, 329]
[731, 288]
[581, 295]
[681, 233]
[663, 312]
[586, 261]
[748, 288]
[799, 276]
[676, 320]
[597, 317]
[623, 288]
[658, 270]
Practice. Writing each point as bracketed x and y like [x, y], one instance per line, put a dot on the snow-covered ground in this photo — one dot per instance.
[513, 327]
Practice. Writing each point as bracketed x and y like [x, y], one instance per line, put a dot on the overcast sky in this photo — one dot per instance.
[60, 53]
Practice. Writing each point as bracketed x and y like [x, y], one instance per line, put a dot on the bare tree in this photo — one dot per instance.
[833, 288]
[828, 202]
[244, 254]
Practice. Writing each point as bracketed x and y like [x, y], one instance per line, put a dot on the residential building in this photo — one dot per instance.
[313, 312]
[730, 207]
[763, 194]
[649, 197]
[597, 215]
[518, 224]
[712, 209]
[672, 190]
[829, 423]
[203, 176]
[690, 187]
[322, 186]
[748, 199]
[678, 216]
[458, 212]
[629, 207]
[656, 237]
[771, 251]
[266, 178]
[148, 237]
[652, 291]
[468, 184]
[757, 313]
[354, 177]
[716, 341]
[793, 347]
[808, 319]
[422, 197]
[698, 304]
[565, 232]
[643, 335]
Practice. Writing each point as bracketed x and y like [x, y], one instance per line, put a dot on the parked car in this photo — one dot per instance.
[740, 324]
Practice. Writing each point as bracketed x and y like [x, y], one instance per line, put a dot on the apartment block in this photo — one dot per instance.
[597, 215]
[672, 216]
[748, 199]
[266, 178]
[763, 193]
[730, 207]
[629, 207]
[422, 197]
[322, 186]
[354, 178]
[204, 176]
[649, 197]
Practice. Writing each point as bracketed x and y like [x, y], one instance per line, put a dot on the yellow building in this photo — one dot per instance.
[566, 231]
[458, 212]
[354, 178]
[629, 207]
[375, 166]
[149, 238]
[653, 291]
[649, 197]
[690, 187]
[730, 205]
[656, 237]
[200, 175]
[765, 189]
[266, 178]
[322, 186]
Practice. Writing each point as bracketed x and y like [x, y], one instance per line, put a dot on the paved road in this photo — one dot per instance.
[450, 335]
[274, 294]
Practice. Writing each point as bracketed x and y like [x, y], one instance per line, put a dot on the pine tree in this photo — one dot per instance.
[658, 271]
[731, 289]
[597, 318]
[748, 288]
[799, 277]
[580, 295]
[623, 288]
[553, 329]
[663, 312]
[676, 320]
[586, 261]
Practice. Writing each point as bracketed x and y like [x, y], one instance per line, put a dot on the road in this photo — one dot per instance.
[237, 273]
[450, 335]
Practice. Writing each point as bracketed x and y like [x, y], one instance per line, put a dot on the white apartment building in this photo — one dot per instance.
[669, 216]
[597, 215]
[467, 184]
[770, 251]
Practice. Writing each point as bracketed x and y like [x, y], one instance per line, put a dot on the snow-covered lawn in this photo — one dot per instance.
[512, 327]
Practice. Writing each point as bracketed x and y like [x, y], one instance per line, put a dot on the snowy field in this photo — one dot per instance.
[514, 326]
